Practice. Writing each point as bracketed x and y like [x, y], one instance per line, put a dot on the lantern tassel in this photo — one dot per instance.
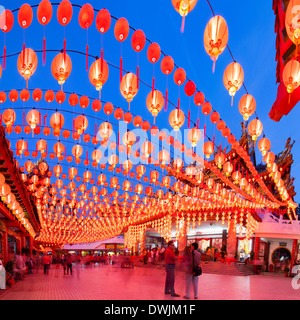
[231, 100]
[189, 118]
[44, 51]
[166, 100]
[87, 57]
[153, 83]
[214, 65]
[137, 76]
[65, 49]
[121, 69]
[4, 57]
[182, 24]
[101, 60]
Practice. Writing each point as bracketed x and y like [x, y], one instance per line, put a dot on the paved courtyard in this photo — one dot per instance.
[107, 282]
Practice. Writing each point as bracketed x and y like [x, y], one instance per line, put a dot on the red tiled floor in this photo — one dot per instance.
[112, 283]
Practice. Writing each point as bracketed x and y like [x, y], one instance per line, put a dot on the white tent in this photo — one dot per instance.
[98, 245]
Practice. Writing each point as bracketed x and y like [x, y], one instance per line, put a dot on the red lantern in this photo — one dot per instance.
[103, 20]
[138, 40]
[96, 105]
[86, 16]
[24, 95]
[61, 67]
[84, 102]
[44, 12]
[64, 12]
[37, 95]
[25, 15]
[179, 76]
[13, 95]
[73, 99]
[98, 74]
[190, 88]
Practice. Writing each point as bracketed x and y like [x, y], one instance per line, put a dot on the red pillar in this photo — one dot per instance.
[256, 251]
[294, 254]
[5, 247]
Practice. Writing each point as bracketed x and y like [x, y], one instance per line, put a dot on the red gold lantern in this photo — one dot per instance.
[33, 118]
[215, 37]
[98, 74]
[264, 145]
[183, 7]
[176, 119]
[247, 106]
[9, 117]
[255, 129]
[233, 78]
[27, 63]
[194, 136]
[208, 149]
[291, 76]
[128, 87]
[61, 67]
[155, 102]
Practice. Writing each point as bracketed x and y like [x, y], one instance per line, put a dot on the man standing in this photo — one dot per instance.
[170, 259]
[193, 260]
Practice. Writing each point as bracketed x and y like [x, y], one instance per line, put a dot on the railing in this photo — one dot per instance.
[271, 224]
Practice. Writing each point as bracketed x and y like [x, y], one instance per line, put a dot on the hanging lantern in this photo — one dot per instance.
[128, 87]
[9, 117]
[27, 63]
[227, 168]
[292, 24]
[138, 40]
[97, 155]
[86, 16]
[291, 76]
[147, 148]
[61, 67]
[113, 160]
[194, 136]
[103, 20]
[155, 102]
[129, 139]
[247, 106]
[44, 12]
[176, 119]
[219, 159]
[58, 149]
[64, 12]
[178, 164]
[208, 149]
[269, 158]
[84, 102]
[179, 76]
[163, 157]
[255, 129]
[21, 145]
[98, 74]
[183, 7]
[233, 78]
[25, 15]
[57, 121]
[264, 145]
[80, 124]
[77, 151]
[105, 130]
[215, 37]
[33, 118]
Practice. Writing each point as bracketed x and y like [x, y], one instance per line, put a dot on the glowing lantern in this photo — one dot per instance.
[57, 121]
[208, 149]
[194, 136]
[264, 145]
[59, 149]
[21, 145]
[215, 37]
[129, 139]
[113, 160]
[33, 118]
[9, 117]
[81, 123]
[97, 155]
[61, 67]
[236, 176]
[129, 87]
[127, 165]
[176, 119]
[57, 170]
[292, 24]
[163, 157]
[98, 74]
[219, 160]
[255, 129]
[183, 7]
[155, 102]
[105, 130]
[77, 151]
[178, 164]
[233, 78]
[269, 158]
[27, 63]
[291, 76]
[247, 106]
[140, 170]
[147, 148]
[227, 168]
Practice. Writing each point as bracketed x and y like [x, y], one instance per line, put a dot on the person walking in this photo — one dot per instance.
[170, 260]
[193, 259]
[69, 264]
[46, 262]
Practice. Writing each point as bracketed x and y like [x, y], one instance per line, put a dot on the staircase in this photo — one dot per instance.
[232, 269]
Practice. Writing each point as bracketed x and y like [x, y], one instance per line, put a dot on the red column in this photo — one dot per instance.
[256, 251]
[5, 247]
[294, 254]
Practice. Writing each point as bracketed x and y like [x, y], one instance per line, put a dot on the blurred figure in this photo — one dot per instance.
[192, 259]
[170, 259]
[46, 262]
[69, 264]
